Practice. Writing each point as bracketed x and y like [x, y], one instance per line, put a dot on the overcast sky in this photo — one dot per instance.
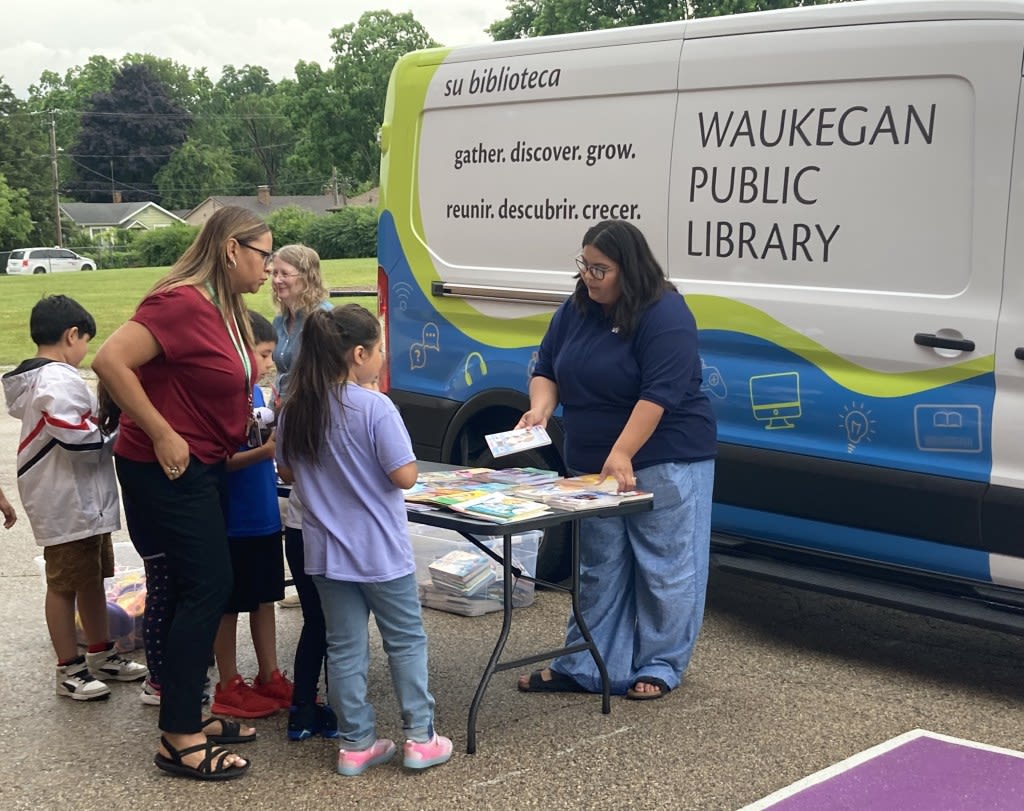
[59, 34]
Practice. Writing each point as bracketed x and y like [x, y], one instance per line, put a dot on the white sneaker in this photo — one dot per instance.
[109, 664]
[75, 681]
[150, 694]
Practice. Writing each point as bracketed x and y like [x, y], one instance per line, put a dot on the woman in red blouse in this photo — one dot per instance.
[182, 371]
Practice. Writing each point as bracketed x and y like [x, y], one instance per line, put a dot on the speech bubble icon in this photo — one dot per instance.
[431, 336]
[417, 356]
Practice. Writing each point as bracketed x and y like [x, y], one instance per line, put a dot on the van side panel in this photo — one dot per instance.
[829, 190]
[821, 225]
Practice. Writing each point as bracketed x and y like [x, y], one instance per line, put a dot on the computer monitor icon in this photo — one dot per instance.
[775, 399]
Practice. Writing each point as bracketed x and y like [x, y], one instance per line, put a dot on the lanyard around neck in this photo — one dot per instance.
[236, 339]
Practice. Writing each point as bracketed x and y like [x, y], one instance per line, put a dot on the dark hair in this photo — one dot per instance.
[641, 279]
[54, 315]
[108, 417]
[262, 329]
[319, 375]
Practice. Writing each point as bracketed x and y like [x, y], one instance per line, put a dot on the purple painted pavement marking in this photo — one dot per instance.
[923, 774]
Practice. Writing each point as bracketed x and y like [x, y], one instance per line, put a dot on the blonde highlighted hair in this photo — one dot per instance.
[205, 261]
[307, 262]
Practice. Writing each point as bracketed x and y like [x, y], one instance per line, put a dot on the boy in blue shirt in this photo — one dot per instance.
[257, 558]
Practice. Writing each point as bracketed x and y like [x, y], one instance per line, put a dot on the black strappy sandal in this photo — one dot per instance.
[212, 766]
[230, 731]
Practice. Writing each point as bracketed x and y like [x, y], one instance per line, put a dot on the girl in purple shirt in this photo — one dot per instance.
[346, 447]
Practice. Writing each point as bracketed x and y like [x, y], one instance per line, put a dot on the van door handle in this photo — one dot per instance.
[927, 339]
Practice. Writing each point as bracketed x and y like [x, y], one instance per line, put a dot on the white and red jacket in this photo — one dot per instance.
[65, 465]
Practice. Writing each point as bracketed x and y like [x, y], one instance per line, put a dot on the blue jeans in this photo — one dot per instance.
[643, 578]
[396, 609]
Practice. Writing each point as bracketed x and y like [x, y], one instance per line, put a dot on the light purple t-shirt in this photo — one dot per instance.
[354, 527]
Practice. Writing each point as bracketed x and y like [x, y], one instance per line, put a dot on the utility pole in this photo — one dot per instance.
[334, 184]
[56, 180]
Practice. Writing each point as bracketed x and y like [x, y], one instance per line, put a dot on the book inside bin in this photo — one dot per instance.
[450, 570]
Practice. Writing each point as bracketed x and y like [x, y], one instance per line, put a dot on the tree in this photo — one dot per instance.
[127, 135]
[193, 173]
[25, 162]
[342, 108]
[15, 223]
[536, 18]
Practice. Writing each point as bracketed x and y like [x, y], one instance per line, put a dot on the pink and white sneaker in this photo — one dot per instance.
[424, 754]
[352, 764]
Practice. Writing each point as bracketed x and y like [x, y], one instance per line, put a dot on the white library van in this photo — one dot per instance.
[837, 190]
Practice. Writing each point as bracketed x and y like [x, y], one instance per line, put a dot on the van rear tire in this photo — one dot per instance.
[38, 270]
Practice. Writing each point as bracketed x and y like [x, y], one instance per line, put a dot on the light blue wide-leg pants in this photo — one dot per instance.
[643, 579]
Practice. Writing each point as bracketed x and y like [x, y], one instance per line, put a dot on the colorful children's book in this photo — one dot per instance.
[501, 508]
[520, 439]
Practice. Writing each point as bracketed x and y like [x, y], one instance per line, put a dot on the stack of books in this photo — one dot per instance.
[461, 573]
[581, 493]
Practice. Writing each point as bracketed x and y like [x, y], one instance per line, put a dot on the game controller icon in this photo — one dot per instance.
[713, 383]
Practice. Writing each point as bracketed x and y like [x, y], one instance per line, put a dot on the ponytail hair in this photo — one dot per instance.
[319, 375]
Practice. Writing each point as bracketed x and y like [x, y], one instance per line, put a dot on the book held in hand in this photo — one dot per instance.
[521, 439]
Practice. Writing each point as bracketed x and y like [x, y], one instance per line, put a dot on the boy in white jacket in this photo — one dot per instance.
[69, 492]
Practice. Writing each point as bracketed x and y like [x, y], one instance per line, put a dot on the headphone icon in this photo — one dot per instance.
[482, 364]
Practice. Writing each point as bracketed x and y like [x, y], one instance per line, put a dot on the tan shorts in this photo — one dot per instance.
[79, 565]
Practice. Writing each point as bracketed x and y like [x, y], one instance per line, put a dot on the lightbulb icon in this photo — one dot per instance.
[858, 425]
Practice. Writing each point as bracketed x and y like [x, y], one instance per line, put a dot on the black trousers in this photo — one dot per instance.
[182, 521]
[311, 650]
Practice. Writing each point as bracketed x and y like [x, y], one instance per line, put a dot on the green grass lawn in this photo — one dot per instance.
[112, 295]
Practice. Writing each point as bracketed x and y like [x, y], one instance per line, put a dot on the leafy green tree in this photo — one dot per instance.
[254, 125]
[535, 18]
[342, 108]
[25, 161]
[15, 223]
[193, 173]
[127, 136]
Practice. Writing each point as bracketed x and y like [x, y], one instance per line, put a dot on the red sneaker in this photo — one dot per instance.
[240, 700]
[277, 688]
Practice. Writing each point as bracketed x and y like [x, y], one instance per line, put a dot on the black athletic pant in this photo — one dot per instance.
[183, 520]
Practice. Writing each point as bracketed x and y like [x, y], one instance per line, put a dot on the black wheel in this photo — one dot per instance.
[39, 270]
[88, 267]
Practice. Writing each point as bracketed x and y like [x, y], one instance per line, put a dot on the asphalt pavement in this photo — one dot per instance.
[783, 683]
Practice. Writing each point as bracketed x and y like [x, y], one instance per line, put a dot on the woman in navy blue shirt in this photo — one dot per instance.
[621, 357]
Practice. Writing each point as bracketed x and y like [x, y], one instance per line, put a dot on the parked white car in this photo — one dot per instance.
[47, 260]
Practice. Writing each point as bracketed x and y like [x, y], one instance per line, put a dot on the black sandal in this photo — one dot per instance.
[645, 695]
[558, 683]
[230, 731]
[211, 768]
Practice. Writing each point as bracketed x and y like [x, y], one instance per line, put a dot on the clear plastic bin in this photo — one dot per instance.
[431, 543]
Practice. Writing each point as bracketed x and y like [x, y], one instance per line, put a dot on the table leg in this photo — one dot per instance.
[506, 625]
[606, 701]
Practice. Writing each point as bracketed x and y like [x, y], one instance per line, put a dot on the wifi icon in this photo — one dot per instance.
[402, 292]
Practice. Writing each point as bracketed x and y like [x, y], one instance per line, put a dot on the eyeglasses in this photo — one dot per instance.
[280, 274]
[267, 255]
[596, 271]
